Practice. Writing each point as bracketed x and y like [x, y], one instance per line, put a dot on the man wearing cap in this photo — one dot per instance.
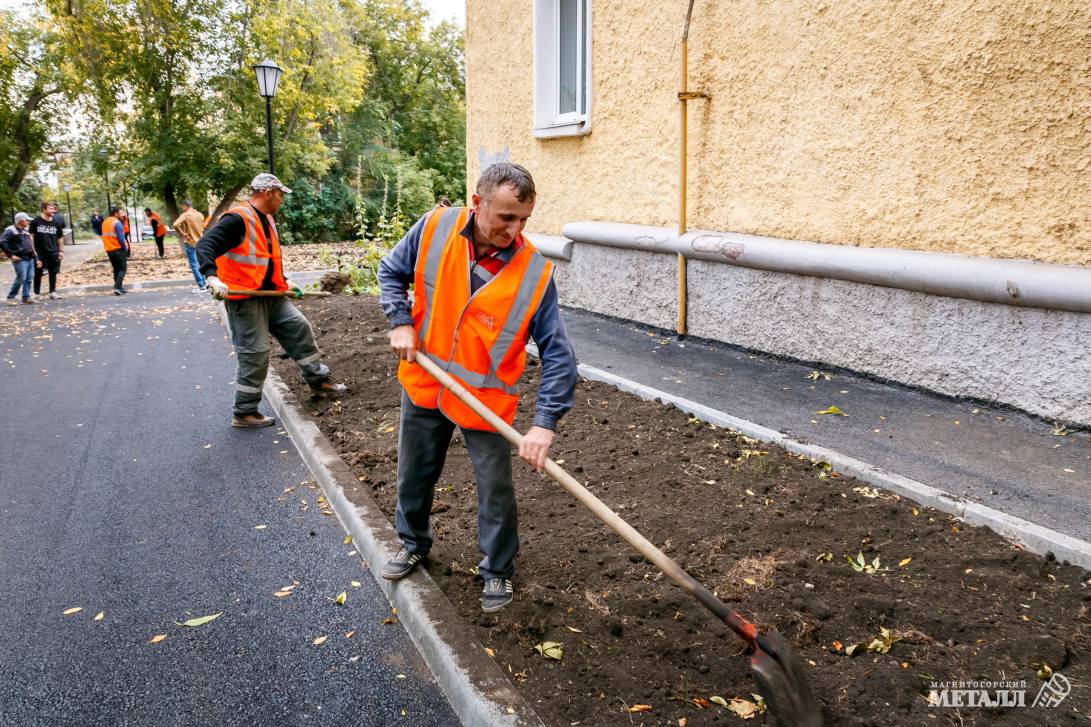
[19, 248]
[242, 252]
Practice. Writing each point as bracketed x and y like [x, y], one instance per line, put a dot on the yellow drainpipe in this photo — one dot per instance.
[684, 97]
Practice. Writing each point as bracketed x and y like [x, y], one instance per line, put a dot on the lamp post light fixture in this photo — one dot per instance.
[71, 221]
[268, 74]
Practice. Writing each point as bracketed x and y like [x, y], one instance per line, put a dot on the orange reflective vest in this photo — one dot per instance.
[157, 225]
[109, 237]
[125, 224]
[479, 339]
[244, 266]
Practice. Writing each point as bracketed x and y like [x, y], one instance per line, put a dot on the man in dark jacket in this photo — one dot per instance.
[96, 223]
[19, 248]
[49, 245]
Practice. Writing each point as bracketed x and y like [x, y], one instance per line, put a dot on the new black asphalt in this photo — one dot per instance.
[123, 491]
[1007, 460]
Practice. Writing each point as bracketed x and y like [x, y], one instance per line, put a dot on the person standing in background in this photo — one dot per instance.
[96, 222]
[159, 230]
[17, 246]
[189, 227]
[116, 247]
[49, 246]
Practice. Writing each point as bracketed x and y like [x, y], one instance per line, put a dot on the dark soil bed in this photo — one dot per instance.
[750, 521]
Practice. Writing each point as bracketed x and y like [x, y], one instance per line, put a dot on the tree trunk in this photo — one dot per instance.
[171, 201]
[226, 202]
[22, 128]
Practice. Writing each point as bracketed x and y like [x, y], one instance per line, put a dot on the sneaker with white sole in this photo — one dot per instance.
[401, 564]
[54, 296]
[498, 593]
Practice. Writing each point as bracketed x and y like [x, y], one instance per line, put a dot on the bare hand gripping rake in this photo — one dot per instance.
[780, 678]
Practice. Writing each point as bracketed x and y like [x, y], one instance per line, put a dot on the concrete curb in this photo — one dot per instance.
[472, 682]
[1033, 537]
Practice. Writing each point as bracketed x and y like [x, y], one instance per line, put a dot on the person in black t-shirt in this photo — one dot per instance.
[49, 245]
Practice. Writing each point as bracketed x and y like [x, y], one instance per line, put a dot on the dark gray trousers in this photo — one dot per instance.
[423, 438]
[252, 321]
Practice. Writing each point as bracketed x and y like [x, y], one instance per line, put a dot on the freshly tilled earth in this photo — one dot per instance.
[768, 531]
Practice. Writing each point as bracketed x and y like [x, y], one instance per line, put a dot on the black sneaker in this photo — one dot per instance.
[401, 564]
[497, 594]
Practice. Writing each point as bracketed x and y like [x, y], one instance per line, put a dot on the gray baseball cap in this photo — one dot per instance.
[22, 217]
[266, 181]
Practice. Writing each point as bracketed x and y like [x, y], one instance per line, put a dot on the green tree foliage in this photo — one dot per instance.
[34, 79]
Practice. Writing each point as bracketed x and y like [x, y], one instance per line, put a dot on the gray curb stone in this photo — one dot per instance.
[1033, 537]
[473, 683]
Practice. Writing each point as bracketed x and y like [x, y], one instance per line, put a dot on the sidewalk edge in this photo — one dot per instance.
[473, 683]
[1031, 536]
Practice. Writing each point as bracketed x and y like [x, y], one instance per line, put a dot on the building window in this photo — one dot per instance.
[562, 67]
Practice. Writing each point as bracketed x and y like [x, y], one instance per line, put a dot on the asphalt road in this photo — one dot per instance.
[123, 491]
[1001, 458]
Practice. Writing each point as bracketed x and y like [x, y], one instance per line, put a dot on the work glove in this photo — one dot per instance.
[216, 287]
[294, 289]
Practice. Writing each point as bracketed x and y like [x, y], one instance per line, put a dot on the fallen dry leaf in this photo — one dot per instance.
[350, 634]
[490, 652]
[100, 615]
[550, 650]
[201, 621]
[282, 594]
[347, 540]
[718, 700]
[260, 527]
[355, 584]
[832, 410]
[157, 638]
[744, 708]
[340, 600]
[640, 708]
[70, 611]
[320, 640]
[905, 561]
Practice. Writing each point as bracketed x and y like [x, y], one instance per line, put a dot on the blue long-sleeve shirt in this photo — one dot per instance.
[557, 388]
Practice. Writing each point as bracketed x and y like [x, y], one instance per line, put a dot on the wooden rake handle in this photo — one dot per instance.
[280, 293]
[746, 630]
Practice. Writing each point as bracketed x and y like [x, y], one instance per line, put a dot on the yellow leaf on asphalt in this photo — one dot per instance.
[832, 410]
[282, 594]
[157, 638]
[355, 584]
[320, 640]
[201, 621]
[100, 615]
[347, 540]
[70, 611]
[350, 634]
[260, 527]
[340, 600]
[640, 708]
[904, 561]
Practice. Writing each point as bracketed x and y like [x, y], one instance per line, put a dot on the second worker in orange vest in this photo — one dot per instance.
[242, 252]
[480, 292]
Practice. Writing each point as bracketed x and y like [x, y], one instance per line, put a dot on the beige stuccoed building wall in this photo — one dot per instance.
[942, 126]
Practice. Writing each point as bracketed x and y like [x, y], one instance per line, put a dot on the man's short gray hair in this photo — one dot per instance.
[507, 173]
[187, 203]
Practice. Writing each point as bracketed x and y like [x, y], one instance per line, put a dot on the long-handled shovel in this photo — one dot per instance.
[280, 293]
[780, 678]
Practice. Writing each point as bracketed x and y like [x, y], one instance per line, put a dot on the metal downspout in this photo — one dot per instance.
[684, 97]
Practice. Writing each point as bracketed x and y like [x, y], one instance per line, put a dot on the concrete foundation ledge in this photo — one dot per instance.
[472, 682]
[1031, 536]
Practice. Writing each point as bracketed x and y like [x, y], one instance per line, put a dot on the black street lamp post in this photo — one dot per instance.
[268, 74]
[71, 219]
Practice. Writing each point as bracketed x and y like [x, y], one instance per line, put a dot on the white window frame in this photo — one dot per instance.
[548, 121]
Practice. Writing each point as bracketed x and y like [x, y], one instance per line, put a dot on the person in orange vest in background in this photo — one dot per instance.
[116, 247]
[159, 230]
[242, 252]
[128, 236]
[480, 291]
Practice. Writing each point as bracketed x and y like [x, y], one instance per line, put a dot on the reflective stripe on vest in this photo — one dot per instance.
[251, 240]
